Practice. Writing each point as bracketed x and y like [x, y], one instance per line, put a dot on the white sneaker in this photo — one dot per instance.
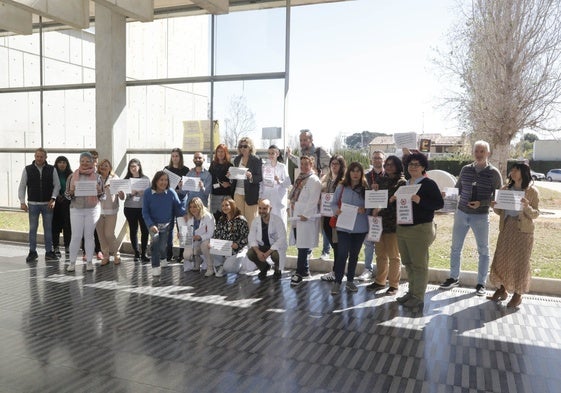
[328, 276]
[188, 266]
[71, 267]
[156, 271]
[209, 271]
[163, 263]
[324, 257]
[89, 266]
[365, 276]
[220, 271]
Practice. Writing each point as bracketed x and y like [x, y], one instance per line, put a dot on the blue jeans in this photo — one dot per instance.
[348, 246]
[159, 243]
[369, 248]
[303, 262]
[479, 224]
[34, 212]
[326, 244]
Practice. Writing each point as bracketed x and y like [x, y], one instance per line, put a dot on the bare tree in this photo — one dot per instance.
[240, 121]
[505, 56]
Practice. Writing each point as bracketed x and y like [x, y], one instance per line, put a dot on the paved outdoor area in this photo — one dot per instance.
[118, 330]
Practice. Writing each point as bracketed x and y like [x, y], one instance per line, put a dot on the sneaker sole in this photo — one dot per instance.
[449, 286]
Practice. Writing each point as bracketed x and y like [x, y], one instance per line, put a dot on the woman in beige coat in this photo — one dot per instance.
[511, 270]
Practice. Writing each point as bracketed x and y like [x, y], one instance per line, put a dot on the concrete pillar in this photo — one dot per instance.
[111, 94]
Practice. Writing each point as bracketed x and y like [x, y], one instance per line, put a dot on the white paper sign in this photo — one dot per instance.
[376, 199]
[347, 218]
[374, 228]
[184, 233]
[450, 200]
[191, 183]
[221, 247]
[139, 183]
[325, 207]
[268, 176]
[407, 190]
[173, 179]
[405, 139]
[509, 199]
[404, 206]
[116, 185]
[237, 173]
[85, 188]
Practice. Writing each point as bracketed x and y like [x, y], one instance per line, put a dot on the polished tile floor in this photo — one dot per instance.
[118, 330]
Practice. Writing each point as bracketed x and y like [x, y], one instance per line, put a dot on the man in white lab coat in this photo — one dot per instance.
[267, 238]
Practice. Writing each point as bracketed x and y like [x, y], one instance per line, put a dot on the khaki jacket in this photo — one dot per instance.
[527, 215]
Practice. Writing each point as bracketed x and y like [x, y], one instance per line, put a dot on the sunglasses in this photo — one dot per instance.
[243, 146]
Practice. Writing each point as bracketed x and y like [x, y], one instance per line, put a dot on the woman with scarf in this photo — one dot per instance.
[84, 210]
[61, 212]
[303, 199]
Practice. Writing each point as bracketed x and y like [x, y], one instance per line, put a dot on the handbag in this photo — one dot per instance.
[333, 219]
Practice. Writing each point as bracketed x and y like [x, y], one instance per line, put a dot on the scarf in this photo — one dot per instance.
[298, 186]
[91, 175]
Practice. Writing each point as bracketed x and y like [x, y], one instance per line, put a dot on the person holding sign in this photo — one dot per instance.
[303, 199]
[511, 269]
[351, 193]
[220, 182]
[476, 186]
[177, 167]
[275, 183]
[108, 218]
[200, 225]
[414, 239]
[246, 192]
[388, 261]
[84, 189]
[329, 183]
[160, 207]
[204, 177]
[372, 178]
[133, 209]
[231, 226]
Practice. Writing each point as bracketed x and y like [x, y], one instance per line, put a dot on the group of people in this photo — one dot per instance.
[246, 206]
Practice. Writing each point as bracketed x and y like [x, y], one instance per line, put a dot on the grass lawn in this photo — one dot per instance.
[546, 257]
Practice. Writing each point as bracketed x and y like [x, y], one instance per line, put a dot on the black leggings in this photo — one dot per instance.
[135, 220]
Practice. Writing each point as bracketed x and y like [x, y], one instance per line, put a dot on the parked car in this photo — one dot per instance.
[554, 175]
[537, 175]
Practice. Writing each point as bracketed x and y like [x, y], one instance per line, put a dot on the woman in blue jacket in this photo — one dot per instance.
[160, 206]
[351, 192]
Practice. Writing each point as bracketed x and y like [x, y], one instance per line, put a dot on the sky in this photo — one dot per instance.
[369, 68]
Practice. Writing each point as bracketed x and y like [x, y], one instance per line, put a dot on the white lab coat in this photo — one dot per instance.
[307, 206]
[276, 193]
[277, 236]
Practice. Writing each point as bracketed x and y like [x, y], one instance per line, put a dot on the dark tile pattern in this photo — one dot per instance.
[117, 330]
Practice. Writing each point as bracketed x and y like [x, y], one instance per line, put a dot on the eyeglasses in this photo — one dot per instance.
[243, 146]
[414, 164]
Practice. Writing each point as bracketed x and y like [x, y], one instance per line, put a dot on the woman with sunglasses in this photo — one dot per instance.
[414, 240]
[246, 192]
[275, 183]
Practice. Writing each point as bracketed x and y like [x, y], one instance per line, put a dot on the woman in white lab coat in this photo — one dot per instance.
[304, 198]
[275, 183]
